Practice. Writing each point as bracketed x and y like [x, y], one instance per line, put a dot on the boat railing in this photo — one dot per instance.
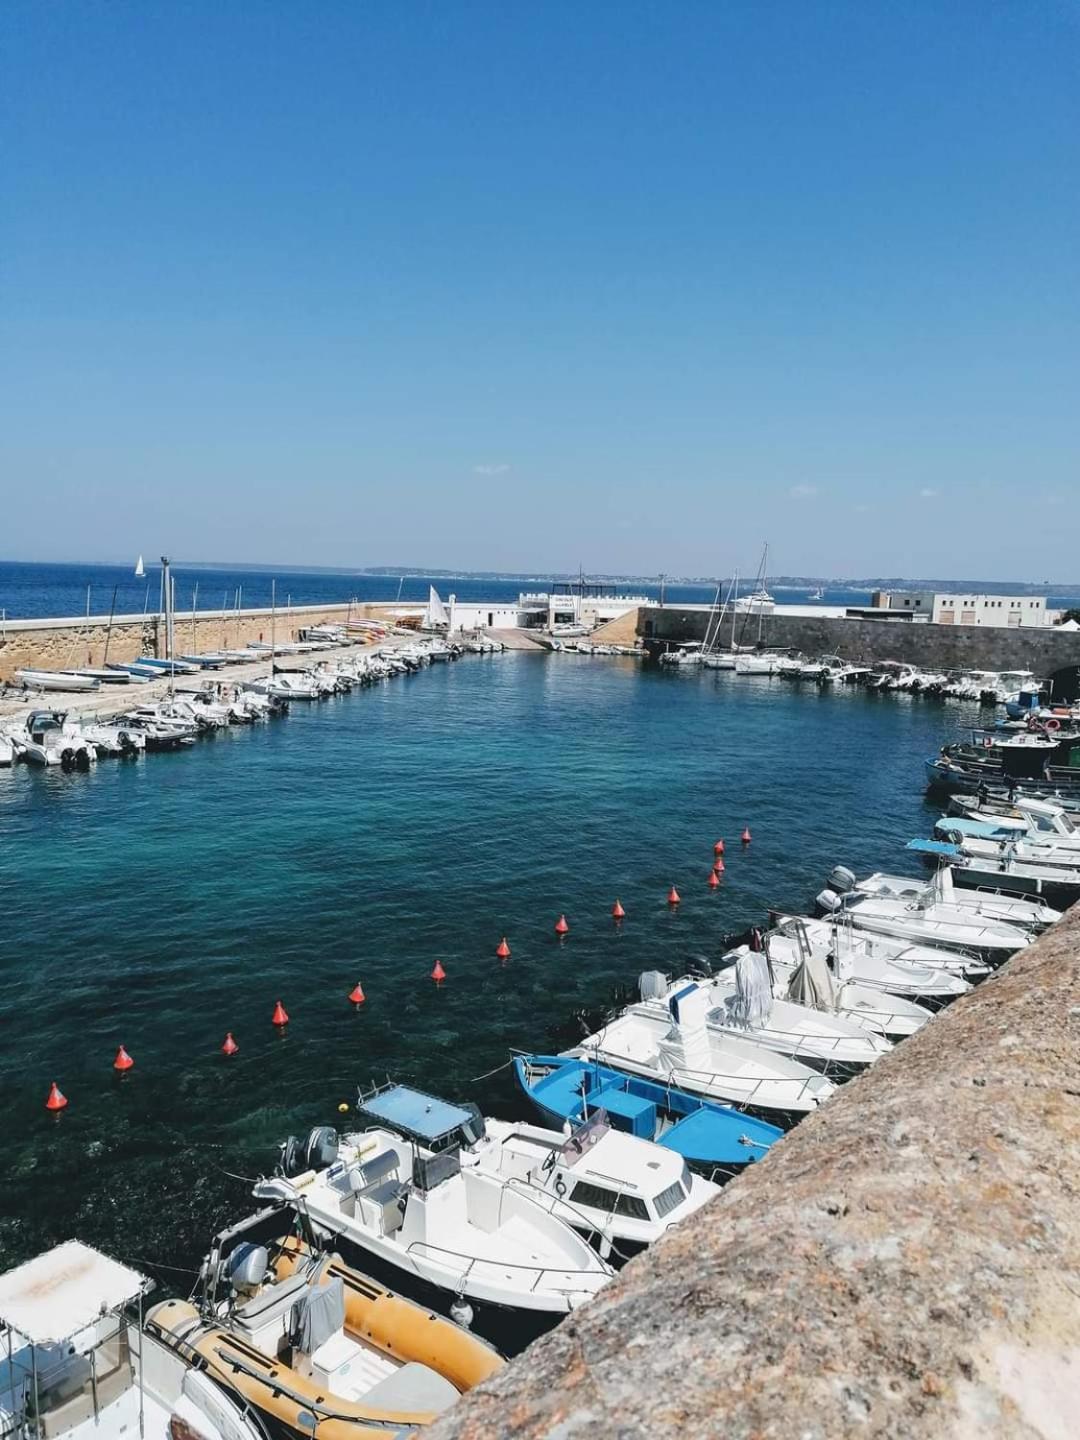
[748, 1089]
[799, 1042]
[538, 1272]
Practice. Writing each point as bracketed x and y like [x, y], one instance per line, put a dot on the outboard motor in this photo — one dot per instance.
[127, 745]
[828, 902]
[321, 1149]
[841, 879]
[246, 1267]
[652, 985]
[292, 1158]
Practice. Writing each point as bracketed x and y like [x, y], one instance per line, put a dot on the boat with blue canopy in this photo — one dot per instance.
[716, 1137]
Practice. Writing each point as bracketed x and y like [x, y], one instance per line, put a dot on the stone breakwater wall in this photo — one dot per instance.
[67, 644]
[1043, 649]
[905, 1263]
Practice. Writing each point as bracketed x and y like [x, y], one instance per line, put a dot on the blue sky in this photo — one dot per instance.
[526, 285]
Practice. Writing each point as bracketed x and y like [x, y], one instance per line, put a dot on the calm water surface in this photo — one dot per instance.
[164, 901]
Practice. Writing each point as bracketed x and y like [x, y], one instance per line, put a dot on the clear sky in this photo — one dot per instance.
[523, 285]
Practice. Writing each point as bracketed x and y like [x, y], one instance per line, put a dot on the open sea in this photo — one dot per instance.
[31, 591]
[159, 903]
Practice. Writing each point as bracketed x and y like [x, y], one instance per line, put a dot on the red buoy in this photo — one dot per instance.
[746, 835]
[281, 1015]
[438, 974]
[561, 927]
[356, 994]
[503, 951]
[718, 865]
[230, 1047]
[123, 1060]
[673, 896]
[714, 879]
[718, 848]
[56, 1100]
[617, 912]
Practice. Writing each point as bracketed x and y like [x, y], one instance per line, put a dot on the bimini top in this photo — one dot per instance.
[415, 1115]
[55, 1295]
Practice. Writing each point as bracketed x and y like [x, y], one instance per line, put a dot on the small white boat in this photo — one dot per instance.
[1031, 915]
[49, 738]
[882, 981]
[403, 1196]
[926, 921]
[56, 680]
[619, 1191]
[743, 1004]
[73, 1366]
[672, 1042]
[7, 749]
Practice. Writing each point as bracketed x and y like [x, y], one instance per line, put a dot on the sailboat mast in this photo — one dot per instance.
[108, 632]
[273, 623]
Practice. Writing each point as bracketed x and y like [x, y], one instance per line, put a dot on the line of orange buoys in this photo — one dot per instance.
[57, 1101]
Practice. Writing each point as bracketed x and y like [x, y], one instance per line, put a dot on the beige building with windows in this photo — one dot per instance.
[1002, 611]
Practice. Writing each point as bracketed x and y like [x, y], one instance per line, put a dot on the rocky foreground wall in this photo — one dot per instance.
[906, 1263]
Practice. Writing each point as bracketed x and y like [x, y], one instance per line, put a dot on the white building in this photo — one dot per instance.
[1000, 611]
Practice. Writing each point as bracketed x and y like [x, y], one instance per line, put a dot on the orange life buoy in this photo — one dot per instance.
[1052, 724]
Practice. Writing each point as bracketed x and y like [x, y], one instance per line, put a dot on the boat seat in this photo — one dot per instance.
[276, 1300]
[365, 1177]
[413, 1387]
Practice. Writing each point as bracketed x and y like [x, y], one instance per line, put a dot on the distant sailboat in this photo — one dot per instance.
[436, 617]
[139, 570]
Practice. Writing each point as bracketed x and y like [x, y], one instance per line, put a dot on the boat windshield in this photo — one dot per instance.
[584, 1138]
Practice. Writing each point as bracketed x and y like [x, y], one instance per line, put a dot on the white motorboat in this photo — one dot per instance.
[985, 840]
[869, 967]
[758, 602]
[926, 921]
[49, 738]
[399, 1192]
[56, 680]
[112, 739]
[756, 664]
[1031, 915]
[809, 981]
[1023, 815]
[673, 1043]
[1057, 883]
[74, 1367]
[742, 1004]
[689, 654]
[620, 1192]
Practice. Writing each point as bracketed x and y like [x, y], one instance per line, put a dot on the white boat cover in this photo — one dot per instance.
[751, 1004]
[55, 1295]
[811, 983]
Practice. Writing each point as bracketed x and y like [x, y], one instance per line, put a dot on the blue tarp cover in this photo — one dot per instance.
[414, 1114]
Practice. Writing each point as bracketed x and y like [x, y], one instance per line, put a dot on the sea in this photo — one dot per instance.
[158, 903]
[33, 591]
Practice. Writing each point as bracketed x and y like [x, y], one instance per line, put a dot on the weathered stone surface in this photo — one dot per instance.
[905, 1263]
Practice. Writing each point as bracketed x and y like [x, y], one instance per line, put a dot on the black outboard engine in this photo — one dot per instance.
[321, 1149]
[292, 1158]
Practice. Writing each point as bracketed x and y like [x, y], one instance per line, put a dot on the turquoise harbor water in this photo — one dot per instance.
[164, 901]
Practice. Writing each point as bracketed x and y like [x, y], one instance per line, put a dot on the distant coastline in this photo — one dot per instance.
[542, 577]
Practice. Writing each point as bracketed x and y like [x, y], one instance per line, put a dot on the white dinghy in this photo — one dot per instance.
[743, 1005]
[400, 1193]
[673, 1043]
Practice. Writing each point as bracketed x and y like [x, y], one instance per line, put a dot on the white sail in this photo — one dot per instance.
[436, 610]
[139, 571]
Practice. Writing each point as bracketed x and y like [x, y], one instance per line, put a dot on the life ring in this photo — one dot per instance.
[560, 1186]
[1051, 724]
